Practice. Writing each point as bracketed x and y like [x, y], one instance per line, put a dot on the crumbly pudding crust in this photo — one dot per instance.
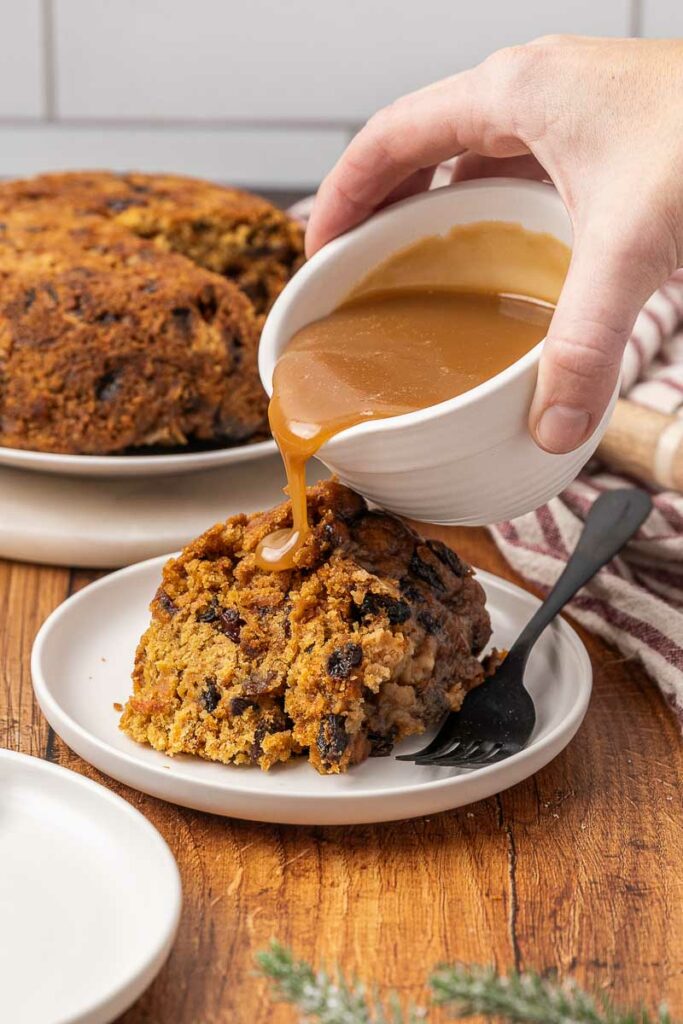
[372, 637]
[130, 311]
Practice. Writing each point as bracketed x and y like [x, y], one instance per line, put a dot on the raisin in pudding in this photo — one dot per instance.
[370, 637]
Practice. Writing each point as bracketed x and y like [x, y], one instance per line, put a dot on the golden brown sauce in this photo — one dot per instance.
[420, 329]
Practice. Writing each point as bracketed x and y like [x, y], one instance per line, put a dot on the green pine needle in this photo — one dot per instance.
[526, 999]
[326, 999]
[518, 998]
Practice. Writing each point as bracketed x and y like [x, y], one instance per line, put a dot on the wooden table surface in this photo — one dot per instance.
[579, 868]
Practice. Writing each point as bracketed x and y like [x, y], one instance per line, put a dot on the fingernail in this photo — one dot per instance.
[561, 428]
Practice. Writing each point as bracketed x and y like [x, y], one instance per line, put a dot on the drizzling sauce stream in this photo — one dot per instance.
[420, 329]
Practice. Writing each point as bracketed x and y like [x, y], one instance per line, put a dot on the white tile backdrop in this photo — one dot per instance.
[22, 53]
[662, 18]
[297, 60]
[265, 92]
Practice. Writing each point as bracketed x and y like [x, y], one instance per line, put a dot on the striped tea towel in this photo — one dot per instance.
[636, 602]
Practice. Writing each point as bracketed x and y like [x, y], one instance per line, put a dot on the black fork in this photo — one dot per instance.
[497, 718]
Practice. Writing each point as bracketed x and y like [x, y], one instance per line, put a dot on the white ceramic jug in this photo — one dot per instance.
[469, 460]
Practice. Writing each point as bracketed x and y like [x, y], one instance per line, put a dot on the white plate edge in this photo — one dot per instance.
[117, 999]
[132, 466]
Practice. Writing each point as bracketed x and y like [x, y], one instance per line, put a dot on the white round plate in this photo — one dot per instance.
[82, 661]
[90, 897]
[133, 465]
[100, 523]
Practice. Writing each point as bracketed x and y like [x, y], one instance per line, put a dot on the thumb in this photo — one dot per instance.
[606, 286]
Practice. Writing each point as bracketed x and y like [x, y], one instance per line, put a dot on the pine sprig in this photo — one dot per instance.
[526, 999]
[325, 998]
[517, 998]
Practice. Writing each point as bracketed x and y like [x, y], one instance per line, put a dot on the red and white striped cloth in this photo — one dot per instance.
[636, 602]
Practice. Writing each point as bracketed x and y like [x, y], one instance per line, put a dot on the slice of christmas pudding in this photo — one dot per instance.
[372, 637]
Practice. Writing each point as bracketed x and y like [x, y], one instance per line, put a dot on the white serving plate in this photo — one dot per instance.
[82, 661]
[90, 897]
[133, 465]
[97, 523]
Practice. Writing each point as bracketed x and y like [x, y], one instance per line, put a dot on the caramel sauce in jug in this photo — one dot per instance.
[433, 321]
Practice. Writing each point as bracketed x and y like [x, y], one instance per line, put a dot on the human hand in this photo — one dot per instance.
[602, 119]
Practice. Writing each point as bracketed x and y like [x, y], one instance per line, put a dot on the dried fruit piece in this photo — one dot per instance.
[210, 696]
[257, 683]
[448, 557]
[182, 318]
[108, 386]
[397, 611]
[165, 602]
[381, 744]
[410, 591]
[230, 623]
[425, 572]
[332, 739]
[428, 621]
[117, 205]
[343, 660]
[208, 614]
[207, 303]
[238, 705]
[226, 620]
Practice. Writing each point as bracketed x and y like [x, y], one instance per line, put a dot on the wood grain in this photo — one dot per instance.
[644, 443]
[579, 868]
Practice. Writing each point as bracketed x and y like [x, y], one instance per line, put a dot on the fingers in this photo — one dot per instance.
[606, 287]
[473, 165]
[394, 147]
[413, 134]
[418, 182]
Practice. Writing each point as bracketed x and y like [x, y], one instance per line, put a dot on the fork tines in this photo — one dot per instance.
[459, 754]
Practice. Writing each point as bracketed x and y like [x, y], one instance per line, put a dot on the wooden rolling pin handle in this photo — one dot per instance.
[646, 444]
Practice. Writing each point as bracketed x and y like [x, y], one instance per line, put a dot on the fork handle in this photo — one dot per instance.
[612, 521]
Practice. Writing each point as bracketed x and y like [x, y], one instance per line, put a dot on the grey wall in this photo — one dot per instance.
[256, 91]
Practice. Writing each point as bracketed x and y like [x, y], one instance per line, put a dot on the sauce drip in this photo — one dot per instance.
[400, 343]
